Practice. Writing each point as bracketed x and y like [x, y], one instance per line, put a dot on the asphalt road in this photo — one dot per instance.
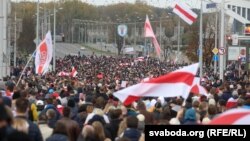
[63, 49]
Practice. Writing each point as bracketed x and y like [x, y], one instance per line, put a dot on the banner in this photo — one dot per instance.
[122, 30]
[44, 55]
[234, 53]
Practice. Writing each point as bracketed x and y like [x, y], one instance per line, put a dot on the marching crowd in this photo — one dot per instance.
[83, 108]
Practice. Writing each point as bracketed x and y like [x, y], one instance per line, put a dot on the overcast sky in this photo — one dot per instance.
[156, 3]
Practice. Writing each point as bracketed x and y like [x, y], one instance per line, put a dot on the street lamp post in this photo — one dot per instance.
[37, 24]
[15, 37]
[54, 41]
[221, 59]
[201, 42]
[160, 32]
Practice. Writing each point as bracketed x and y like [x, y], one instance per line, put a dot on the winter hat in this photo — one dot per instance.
[39, 102]
[235, 93]
[141, 117]
[211, 102]
[205, 120]
[174, 121]
[141, 122]
[190, 114]
[51, 91]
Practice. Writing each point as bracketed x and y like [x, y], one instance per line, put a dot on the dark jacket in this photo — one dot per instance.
[57, 137]
[149, 118]
[34, 131]
[80, 118]
[113, 127]
[132, 134]
[50, 106]
[226, 95]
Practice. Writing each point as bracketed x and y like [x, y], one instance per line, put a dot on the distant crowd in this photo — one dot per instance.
[57, 107]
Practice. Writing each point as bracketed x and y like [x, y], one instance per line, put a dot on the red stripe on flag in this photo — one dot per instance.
[43, 56]
[174, 77]
[195, 89]
[185, 13]
[130, 99]
[228, 119]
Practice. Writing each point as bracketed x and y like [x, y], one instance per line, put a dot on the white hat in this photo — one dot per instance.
[39, 102]
[205, 120]
[141, 117]
[235, 93]
[174, 121]
[211, 102]
[99, 85]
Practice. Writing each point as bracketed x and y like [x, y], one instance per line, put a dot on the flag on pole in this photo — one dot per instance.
[148, 31]
[73, 72]
[44, 55]
[184, 12]
[177, 83]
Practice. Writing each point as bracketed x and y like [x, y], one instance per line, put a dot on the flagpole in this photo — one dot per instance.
[25, 68]
[221, 59]
[216, 22]
[178, 40]
[37, 24]
[200, 41]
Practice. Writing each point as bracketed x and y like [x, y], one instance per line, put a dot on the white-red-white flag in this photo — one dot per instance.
[73, 72]
[140, 59]
[63, 73]
[44, 54]
[148, 32]
[184, 12]
[197, 88]
[177, 83]
[237, 116]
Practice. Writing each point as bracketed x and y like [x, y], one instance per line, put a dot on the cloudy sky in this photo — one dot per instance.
[157, 3]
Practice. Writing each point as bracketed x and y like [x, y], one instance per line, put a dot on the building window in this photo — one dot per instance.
[234, 8]
[243, 12]
[238, 10]
[229, 6]
[248, 14]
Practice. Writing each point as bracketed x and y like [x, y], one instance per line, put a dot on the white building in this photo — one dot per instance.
[4, 61]
[239, 14]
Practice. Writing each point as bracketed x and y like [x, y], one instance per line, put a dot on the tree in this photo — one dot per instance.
[192, 38]
[25, 42]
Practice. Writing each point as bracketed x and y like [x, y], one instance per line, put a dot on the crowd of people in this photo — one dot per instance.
[83, 108]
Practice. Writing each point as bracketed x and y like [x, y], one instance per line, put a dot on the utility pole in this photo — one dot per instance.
[160, 32]
[221, 59]
[135, 35]
[54, 48]
[215, 40]
[15, 36]
[37, 24]
[178, 39]
[201, 41]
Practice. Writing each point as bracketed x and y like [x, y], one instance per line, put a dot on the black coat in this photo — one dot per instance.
[113, 127]
[57, 137]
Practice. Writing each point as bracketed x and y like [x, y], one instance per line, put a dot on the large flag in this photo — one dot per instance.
[44, 54]
[184, 12]
[233, 117]
[148, 32]
[177, 83]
